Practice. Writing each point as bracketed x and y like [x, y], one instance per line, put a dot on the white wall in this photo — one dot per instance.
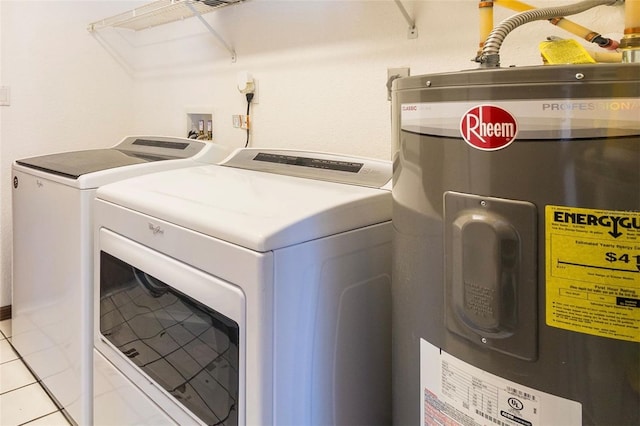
[4, 205]
[66, 92]
[321, 68]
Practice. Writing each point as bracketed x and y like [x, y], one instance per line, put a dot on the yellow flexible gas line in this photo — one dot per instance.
[563, 23]
[632, 17]
[576, 29]
[630, 43]
[516, 5]
[490, 56]
[485, 10]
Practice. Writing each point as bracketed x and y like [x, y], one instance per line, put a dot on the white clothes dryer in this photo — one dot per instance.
[52, 306]
[256, 292]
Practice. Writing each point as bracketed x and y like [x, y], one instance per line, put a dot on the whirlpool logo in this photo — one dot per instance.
[488, 127]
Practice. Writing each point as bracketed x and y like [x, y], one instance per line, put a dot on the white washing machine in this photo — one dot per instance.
[52, 253]
[256, 292]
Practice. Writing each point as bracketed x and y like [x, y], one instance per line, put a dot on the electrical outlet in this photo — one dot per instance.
[240, 121]
[392, 74]
[244, 122]
[245, 82]
[248, 84]
[255, 99]
[400, 72]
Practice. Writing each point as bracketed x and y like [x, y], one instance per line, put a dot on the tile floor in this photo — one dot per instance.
[22, 399]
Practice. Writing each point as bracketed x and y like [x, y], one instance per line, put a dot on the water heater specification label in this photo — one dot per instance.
[593, 271]
[455, 393]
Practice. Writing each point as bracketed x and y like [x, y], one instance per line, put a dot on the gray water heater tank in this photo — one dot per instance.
[516, 280]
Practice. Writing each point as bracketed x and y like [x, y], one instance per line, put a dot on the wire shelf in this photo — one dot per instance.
[160, 12]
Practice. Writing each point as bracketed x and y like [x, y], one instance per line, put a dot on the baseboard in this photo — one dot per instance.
[5, 312]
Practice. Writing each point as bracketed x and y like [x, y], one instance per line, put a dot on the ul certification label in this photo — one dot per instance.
[593, 271]
[454, 393]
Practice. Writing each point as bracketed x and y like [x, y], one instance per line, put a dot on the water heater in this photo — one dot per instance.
[516, 281]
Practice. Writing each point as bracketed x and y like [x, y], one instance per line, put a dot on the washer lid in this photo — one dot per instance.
[131, 150]
[78, 163]
[257, 210]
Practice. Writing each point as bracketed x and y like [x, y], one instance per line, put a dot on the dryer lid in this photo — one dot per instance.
[257, 210]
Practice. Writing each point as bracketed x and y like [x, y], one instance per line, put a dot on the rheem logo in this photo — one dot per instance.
[488, 127]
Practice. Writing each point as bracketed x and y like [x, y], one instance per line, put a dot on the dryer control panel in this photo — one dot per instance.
[314, 165]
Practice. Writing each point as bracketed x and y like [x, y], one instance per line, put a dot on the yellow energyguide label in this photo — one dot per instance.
[593, 271]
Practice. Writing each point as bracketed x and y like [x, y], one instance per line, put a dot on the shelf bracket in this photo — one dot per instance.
[212, 31]
[413, 31]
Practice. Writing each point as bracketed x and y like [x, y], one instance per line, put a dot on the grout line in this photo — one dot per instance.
[14, 351]
[38, 418]
[39, 386]
[35, 382]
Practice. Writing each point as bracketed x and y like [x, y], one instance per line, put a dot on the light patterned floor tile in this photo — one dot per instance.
[5, 328]
[55, 419]
[14, 375]
[24, 404]
[6, 353]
